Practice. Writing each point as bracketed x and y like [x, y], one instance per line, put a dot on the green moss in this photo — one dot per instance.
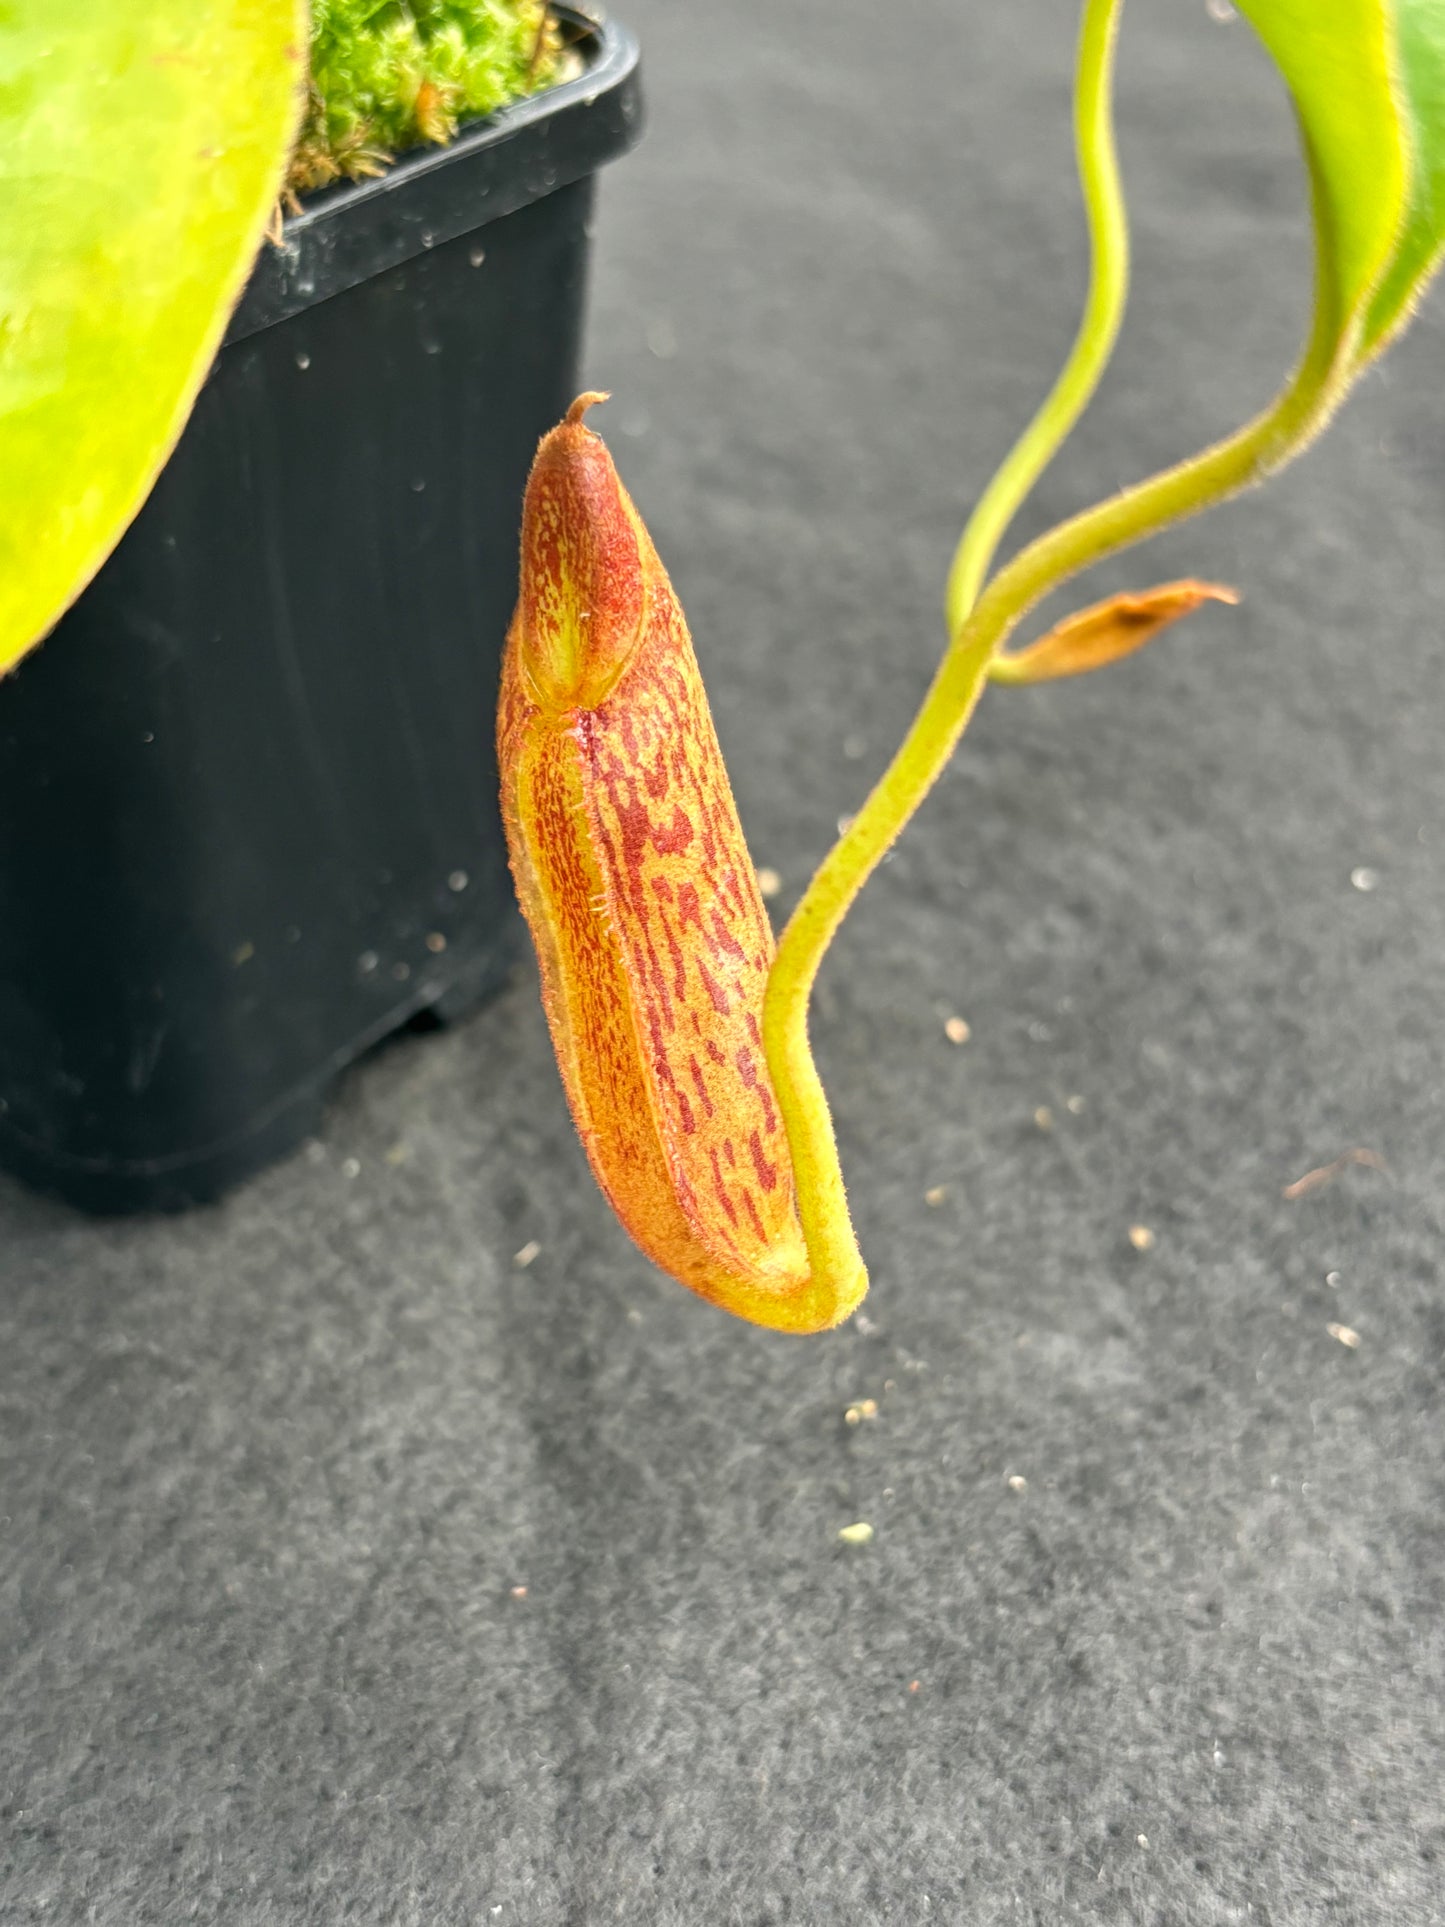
[391, 74]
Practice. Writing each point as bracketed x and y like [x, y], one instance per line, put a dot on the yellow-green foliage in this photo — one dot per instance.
[141, 152]
[391, 74]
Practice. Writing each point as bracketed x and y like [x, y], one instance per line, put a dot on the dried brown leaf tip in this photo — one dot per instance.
[1106, 632]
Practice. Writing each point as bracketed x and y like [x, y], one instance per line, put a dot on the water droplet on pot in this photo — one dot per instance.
[457, 880]
[303, 360]
[148, 736]
[428, 239]
[431, 347]
[401, 971]
[477, 256]
[367, 962]
[418, 486]
[1364, 878]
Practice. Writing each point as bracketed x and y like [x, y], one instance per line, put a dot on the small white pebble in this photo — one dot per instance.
[1221, 10]
[1334, 1279]
[856, 1535]
[1044, 1118]
[524, 1257]
[1144, 1841]
[519, 1592]
[351, 1167]
[769, 882]
[1073, 1105]
[1346, 1335]
[860, 1409]
[936, 1196]
[1017, 1482]
[845, 823]
[957, 1031]
[1364, 878]
[1141, 1237]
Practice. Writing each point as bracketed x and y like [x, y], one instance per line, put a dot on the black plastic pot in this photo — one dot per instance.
[248, 808]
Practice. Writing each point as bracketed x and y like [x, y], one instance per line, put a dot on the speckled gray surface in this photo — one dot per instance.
[275, 1473]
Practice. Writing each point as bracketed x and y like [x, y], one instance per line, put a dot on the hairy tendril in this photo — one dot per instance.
[982, 618]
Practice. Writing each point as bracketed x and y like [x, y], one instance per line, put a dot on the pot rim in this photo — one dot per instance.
[347, 233]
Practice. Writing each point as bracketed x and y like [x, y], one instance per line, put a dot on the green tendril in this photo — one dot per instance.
[982, 618]
[1098, 329]
[822, 1200]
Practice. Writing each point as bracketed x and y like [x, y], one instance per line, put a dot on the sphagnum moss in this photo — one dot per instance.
[387, 75]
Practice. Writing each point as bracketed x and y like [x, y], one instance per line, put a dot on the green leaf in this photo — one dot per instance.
[141, 150]
[1421, 88]
[1337, 58]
